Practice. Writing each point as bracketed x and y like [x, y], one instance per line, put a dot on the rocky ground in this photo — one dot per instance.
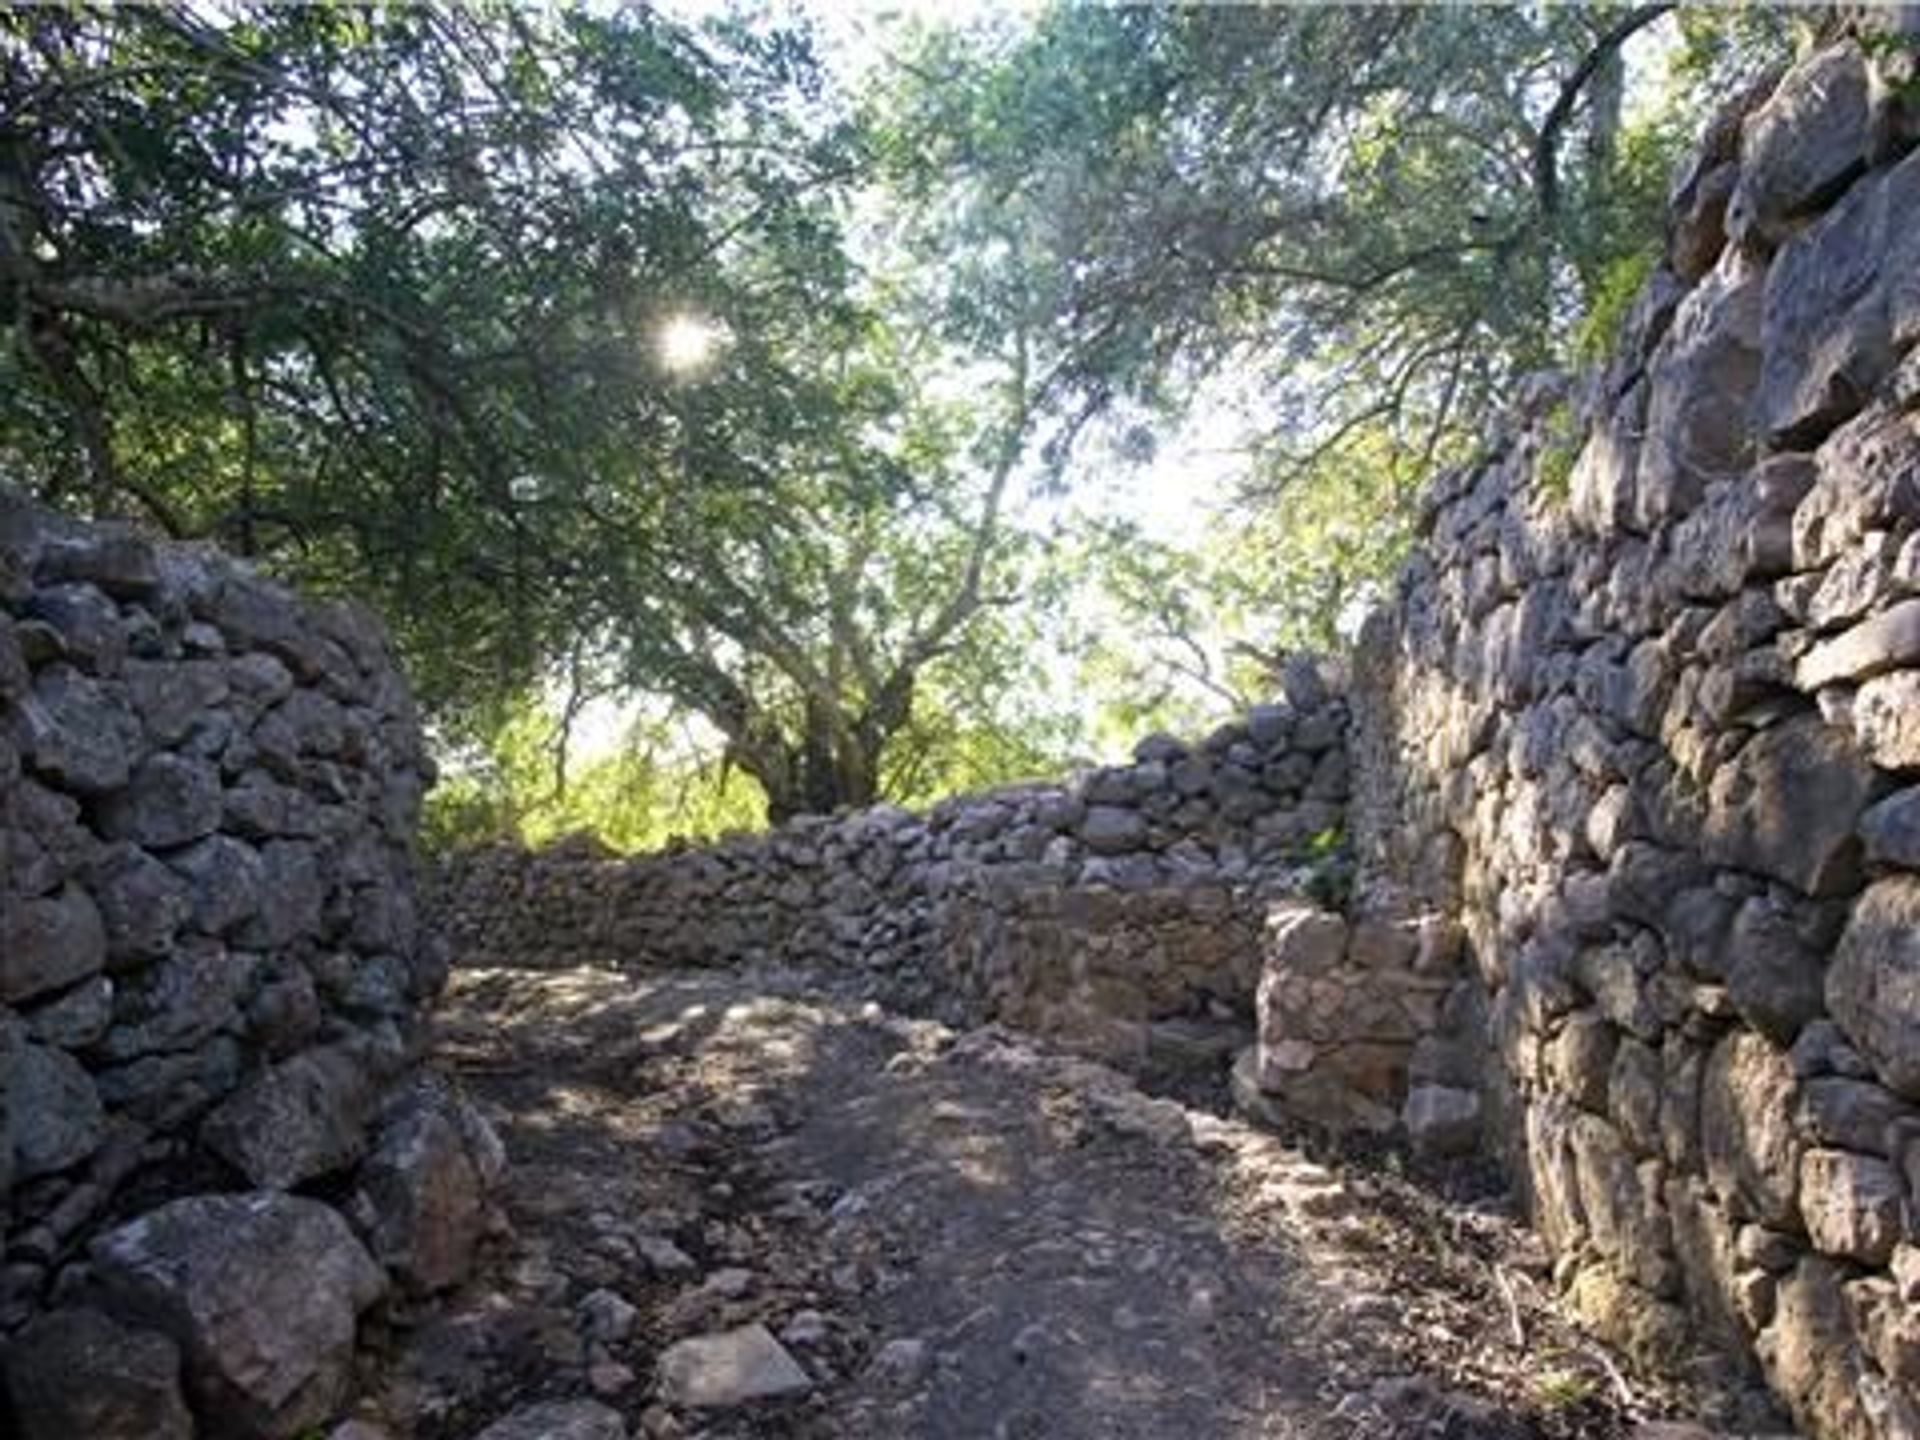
[743, 1207]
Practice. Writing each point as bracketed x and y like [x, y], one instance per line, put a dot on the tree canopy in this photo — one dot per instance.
[610, 354]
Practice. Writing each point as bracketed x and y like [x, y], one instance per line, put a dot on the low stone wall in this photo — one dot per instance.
[211, 974]
[1652, 732]
[1087, 910]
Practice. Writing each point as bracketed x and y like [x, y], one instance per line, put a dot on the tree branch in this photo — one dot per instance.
[1546, 150]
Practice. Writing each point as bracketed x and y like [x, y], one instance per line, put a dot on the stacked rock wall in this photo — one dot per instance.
[1652, 732]
[1087, 910]
[210, 979]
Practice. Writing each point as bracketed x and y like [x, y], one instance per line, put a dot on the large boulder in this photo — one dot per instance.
[424, 1201]
[1831, 308]
[262, 1292]
[1873, 981]
[78, 1375]
[1804, 145]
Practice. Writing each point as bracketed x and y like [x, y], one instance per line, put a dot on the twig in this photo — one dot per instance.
[1613, 1373]
[1513, 1307]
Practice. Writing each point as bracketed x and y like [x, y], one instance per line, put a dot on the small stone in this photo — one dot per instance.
[1873, 981]
[425, 1189]
[731, 1368]
[807, 1328]
[663, 1257]
[1891, 830]
[609, 1378]
[607, 1317]
[729, 1283]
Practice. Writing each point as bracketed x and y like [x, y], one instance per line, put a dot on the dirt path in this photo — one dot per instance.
[951, 1235]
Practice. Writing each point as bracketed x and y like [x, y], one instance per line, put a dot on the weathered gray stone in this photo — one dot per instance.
[1702, 377]
[142, 903]
[180, 1001]
[1873, 981]
[74, 1018]
[226, 879]
[1828, 328]
[558, 1420]
[79, 1375]
[1852, 1204]
[1886, 718]
[172, 696]
[1849, 1114]
[296, 1120]
[1885, 642]
[1441, 1120]
[1891, 830]
[1788, 804]
[731, 1368]
[54, 1116]
[1305, 939]
[291, 895]
[1775, 982]
[1746, 1126]
[117, 558]
[87, 623]
[1868, 479]
[171, 800]
[49, 942]
[1803, 146]
[78, 733]
[424, 1189]
[262, 1293]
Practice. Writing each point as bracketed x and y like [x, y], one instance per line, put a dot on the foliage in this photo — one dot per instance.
[1351, 199]
[376, 295]
[1382, 218]
[1614, 292]
[661, 783]
[1560, 440]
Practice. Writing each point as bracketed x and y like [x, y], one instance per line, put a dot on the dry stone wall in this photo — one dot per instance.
[211, 981]
[1089, 910]
[1653, 736]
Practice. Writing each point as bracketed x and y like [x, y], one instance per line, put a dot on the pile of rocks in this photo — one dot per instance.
[984, 906]
[1653, 735]
[211, 975]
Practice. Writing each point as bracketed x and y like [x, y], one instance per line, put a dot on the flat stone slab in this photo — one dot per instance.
[730, 1368]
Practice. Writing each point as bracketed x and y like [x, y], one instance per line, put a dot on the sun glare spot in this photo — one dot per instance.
[687, 343]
